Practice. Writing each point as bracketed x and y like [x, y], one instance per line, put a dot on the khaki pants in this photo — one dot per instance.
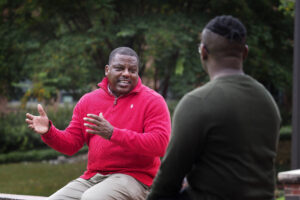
[103, 187]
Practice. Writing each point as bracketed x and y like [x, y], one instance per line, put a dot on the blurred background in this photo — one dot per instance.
[54, 51]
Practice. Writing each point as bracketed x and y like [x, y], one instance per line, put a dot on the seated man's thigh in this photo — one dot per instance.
[117, 187]
[73, 190]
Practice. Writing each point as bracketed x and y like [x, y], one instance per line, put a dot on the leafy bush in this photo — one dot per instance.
[16, 136]
[172, 105]
[286, 133]
[33, 155]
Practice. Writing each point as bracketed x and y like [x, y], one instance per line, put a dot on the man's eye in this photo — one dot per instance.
[119, 68]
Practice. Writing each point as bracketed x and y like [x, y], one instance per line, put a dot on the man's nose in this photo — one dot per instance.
[125, 72]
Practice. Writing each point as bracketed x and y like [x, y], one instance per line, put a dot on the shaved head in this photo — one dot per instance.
[228, 27]
[224, 36]
[223, 46]
[219, 46]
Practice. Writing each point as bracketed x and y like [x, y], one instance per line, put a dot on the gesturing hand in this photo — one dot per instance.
[39, 124]
[99, 126]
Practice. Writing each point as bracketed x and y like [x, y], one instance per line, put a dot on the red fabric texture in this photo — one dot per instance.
[141, 133]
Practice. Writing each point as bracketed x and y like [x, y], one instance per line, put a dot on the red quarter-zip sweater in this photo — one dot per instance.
[141, 122]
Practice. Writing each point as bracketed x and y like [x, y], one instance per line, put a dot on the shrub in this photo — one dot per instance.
[286, 133]
[33, 155]
[172, 105]
[16, 136]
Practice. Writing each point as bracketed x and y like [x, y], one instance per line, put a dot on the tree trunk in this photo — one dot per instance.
[168, 73]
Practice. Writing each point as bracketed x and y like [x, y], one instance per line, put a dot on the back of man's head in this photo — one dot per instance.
[229, 27]
[224, 36]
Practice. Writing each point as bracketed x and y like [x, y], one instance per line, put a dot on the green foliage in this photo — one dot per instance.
[286, 133]
[54, 47]
[285, 130]
[33, 155]
[172, 105]
[16, 136]
[64, 45]
[287, 7]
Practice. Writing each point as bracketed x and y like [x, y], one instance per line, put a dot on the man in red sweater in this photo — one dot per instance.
[126, 126]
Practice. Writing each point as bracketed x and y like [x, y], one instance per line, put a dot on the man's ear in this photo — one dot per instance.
[245, 51]
[106, 69]
[204, 53]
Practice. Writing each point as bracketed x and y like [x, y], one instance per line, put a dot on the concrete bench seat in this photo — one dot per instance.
[20, 197]
[291, 183]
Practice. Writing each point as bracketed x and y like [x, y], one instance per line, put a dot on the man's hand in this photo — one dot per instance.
[99, 126]
[39, 124]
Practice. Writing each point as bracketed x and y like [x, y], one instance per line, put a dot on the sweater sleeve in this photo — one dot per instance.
[186, 141]
[68, 141]
[157, 127]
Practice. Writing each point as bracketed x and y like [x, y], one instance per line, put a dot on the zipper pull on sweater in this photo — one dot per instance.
[115, 101]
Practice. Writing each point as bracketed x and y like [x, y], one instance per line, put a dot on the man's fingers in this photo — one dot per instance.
[93, 121]
[93, 116]
[31, 126]
[29, 116]
[91, 126]
[28, 121]
[92, 131]
[41, 110]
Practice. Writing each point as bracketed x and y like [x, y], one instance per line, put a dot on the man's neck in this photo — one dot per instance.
[111, 92]
[226, 72]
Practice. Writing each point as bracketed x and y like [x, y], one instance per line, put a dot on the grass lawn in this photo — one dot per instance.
[42, 179]
[37, 178]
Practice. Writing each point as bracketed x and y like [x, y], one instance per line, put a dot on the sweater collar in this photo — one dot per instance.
[104, 85]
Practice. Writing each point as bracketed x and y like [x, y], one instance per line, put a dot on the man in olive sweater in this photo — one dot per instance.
[225, 133]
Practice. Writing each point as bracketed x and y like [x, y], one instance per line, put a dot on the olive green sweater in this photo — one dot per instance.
[224, 139]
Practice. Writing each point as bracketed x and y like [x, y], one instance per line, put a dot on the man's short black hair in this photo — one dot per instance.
[229, 27]
[123, 51]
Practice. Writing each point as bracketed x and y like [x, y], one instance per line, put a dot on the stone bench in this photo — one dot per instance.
[291, 184]
[20, 197]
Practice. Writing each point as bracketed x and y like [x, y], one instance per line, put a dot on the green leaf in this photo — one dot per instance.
[179, 66]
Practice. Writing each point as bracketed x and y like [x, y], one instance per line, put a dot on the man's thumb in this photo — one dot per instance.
[41, 110]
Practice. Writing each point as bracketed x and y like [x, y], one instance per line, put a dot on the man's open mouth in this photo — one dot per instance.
[124, 83]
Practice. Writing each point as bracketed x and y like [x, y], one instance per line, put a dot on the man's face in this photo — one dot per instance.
[122, 74]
